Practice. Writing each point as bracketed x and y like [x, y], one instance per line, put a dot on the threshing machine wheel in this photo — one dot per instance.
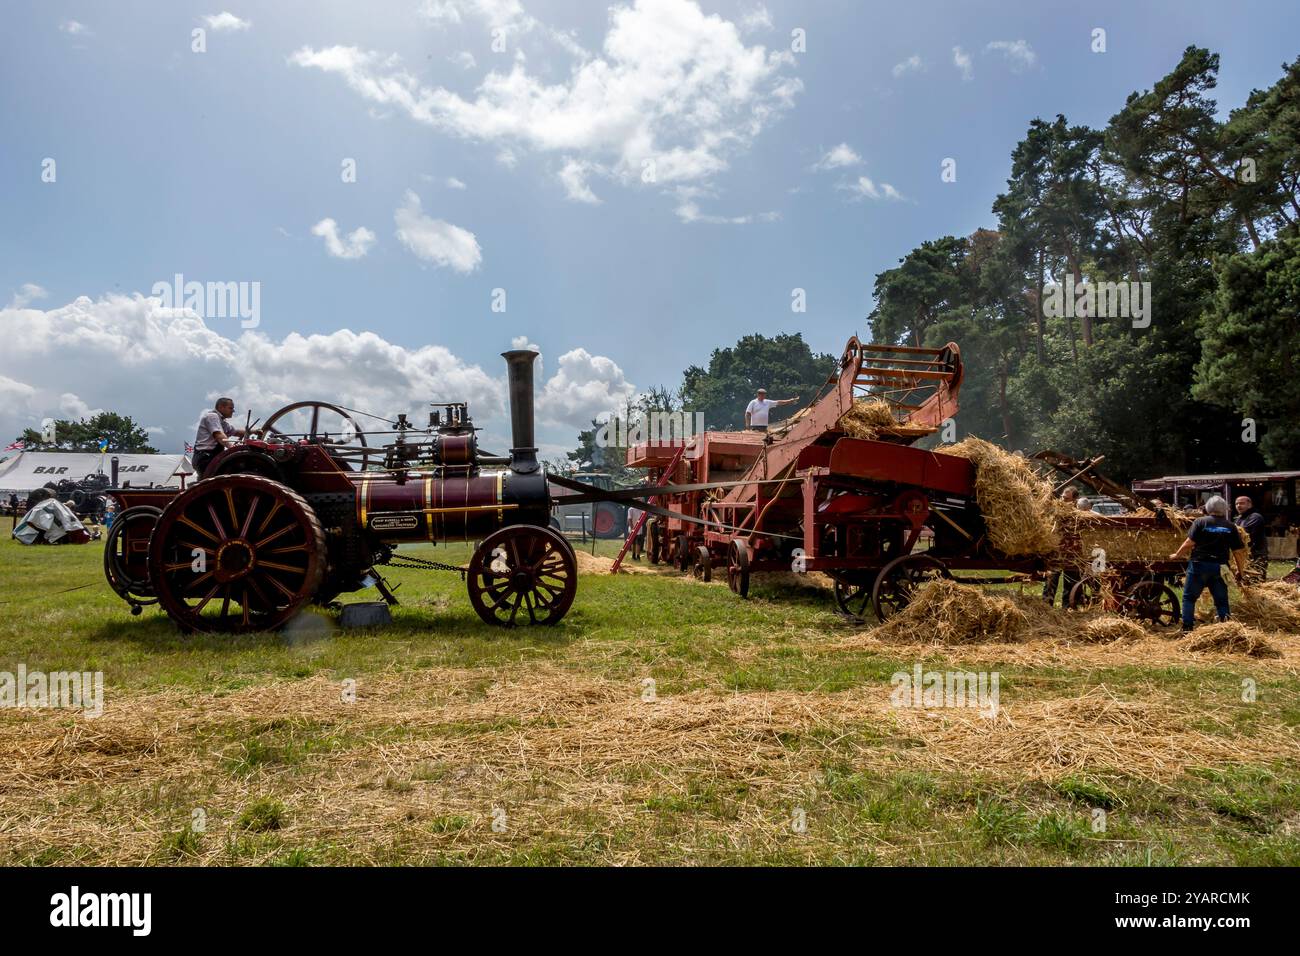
[236, 553]
[127, 571]
[683, 555]
[738, 568]
[899, 579]
[1087, 593]
[353, 455]
[1153, 602]
[853, 595]
[522, 575]
[702, 568]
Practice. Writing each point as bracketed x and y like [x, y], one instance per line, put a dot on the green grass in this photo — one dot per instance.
[297, 789]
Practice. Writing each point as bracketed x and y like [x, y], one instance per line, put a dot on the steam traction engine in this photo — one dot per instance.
[303, 516]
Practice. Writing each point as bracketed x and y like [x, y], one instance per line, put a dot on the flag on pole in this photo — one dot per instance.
[14, 446]
[189, 449]
[103, 445]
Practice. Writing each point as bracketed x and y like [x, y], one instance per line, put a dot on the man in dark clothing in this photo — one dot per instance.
[1212, 541]
[1255, 525]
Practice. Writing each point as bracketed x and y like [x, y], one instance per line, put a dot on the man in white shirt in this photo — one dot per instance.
[756, 411]
[214, 434]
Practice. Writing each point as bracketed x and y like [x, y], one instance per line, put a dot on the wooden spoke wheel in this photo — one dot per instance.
[853, 595]
[1152, 602]
[236, 553]
[327, 425]
[126, 555]
[899, 579]
[738, 568]
[702, 567]
[1086, 594]
[683, 556]
[522, 575]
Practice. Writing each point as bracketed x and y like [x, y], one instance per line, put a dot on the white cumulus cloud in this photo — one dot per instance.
[1018, 53]
[29, 292]
[911, 65]
[837, 157]
[574, 177]
[352, 246]
[962, 61]
[225, 21]
[584, 387]
[672, 87]
[866, 188]
[128, 354]
[434, 240]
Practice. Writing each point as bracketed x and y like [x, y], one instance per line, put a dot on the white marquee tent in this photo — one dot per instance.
[29, 470]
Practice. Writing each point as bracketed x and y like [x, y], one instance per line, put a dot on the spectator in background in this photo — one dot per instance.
[1070, 496]
[633, 516]
[1255, 525]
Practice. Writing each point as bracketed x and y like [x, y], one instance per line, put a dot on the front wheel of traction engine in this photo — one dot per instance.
[522, 575]
[236, 553]
[126, 552]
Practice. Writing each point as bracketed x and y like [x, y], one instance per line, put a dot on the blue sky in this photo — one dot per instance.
[219, 165]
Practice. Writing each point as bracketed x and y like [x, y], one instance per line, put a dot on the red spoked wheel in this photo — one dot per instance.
[126, 555]
[236, 553]
[522, 575]
[899, 579]
[702, 568]
[738, 567]
[1154, 602]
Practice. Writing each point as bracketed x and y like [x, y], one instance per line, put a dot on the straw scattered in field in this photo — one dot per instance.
[1272, 606]
[1230, 637]
[599, 564]
[1019, 510]
[867, 418]
[1111, 628]
[945, 612]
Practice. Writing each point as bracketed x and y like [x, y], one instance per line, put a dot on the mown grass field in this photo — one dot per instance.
[767, 737]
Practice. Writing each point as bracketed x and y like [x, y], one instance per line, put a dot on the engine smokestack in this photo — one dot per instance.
[523, 456]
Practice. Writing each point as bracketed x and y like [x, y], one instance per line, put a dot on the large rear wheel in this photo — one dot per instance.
[236, 553]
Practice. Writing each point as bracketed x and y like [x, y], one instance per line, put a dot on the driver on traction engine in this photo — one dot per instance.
[214, 434]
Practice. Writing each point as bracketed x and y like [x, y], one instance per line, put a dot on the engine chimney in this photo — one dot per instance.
[523, 456]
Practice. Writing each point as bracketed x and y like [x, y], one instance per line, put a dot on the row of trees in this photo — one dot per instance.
[1196, 218]
[1204, 210]
[120, 431]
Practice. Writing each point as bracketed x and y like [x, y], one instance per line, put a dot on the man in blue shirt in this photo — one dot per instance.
[1212, 541]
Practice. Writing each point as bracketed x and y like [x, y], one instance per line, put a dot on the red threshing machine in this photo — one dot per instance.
[302, 516]
[806, 496]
